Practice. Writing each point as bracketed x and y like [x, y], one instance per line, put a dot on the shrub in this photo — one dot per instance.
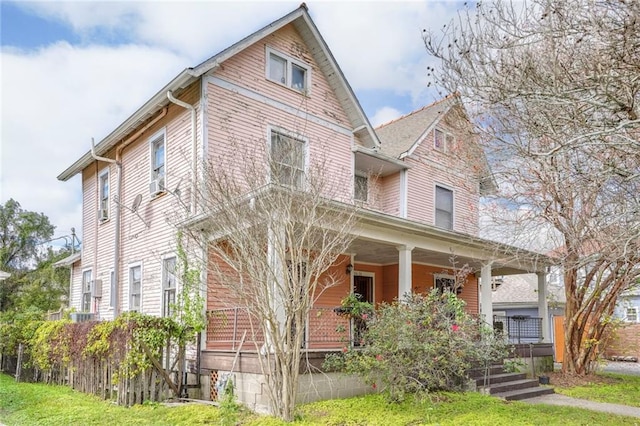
[425, 343]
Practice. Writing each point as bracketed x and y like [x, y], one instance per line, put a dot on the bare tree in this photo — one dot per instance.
[554, 92]
[274, 230]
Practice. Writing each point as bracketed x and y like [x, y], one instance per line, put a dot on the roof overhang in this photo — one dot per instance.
[68, 261]
[375, 162]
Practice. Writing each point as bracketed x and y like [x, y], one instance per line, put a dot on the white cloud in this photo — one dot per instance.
[54, 100]
[58, 97]
[384, 115]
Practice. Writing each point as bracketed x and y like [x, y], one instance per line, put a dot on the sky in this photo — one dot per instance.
[71, 71]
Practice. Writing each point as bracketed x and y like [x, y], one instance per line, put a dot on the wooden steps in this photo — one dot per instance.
[508, 386]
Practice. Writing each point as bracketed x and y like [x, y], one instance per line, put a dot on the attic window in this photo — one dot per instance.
[287, 71]
[442, 141]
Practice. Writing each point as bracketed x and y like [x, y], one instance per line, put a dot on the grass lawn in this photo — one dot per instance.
[38, 404]
[613, 388]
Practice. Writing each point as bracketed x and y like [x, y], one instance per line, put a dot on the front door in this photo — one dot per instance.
[363, 285]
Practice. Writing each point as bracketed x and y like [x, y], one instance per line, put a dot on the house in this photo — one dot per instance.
[419, 180]
[515, 309]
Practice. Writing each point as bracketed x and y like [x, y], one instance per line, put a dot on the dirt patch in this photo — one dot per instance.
[568, 381]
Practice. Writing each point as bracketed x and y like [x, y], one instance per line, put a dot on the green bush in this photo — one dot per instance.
[423, 344]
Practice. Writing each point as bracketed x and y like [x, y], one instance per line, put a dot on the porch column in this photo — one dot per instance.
[486, 304]
[404, 271]
[276, 296]
[543, 309]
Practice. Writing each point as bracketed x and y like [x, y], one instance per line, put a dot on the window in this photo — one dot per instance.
[158, 163]
[446, 283]
[632, 314]
[86, 291]
[287, 71]
[360, 188]
[135, 287]
[444, 208]
[112, 292]
[287, 160]
[442, 141]
[103, 211]
[168, 285]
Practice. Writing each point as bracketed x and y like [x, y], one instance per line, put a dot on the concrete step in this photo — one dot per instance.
[511, 385]
[519, 394]
[499, 378]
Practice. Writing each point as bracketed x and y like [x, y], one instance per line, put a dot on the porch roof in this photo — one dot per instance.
[380, 235]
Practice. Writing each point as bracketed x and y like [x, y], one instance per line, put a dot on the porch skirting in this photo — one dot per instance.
[250, 384]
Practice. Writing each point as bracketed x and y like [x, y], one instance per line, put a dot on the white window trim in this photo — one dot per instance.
[104, 172]
[82, 292]
[362, 175]
[151, 141]
[371, 275]
[626, 313]
[129, 267]
[436, 277]
[163, 275]
[290, 60]
[446, 135]
[453, 204]
[293, 135]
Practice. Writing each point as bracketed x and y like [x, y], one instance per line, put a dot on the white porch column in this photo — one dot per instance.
[543, 309]
[404, 271]
[486, 304]
[276, 302]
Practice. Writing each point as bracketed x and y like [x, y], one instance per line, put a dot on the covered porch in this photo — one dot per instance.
[390, 258]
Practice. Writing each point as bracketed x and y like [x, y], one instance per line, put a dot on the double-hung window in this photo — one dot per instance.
[444, 207]
[158, 163]
[135, 287]
[103, 210]
[631, 314]
[442, 141]
[287, 71]
[86, 291]
[360, 188]
[287, 160]
[168, 285]
[444, 283]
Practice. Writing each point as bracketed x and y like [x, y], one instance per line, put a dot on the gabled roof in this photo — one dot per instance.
[405, 133]
[522, 290]
[303, 23]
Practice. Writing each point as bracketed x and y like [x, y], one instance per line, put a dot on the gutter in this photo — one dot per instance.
[194, 147]
[117, 197]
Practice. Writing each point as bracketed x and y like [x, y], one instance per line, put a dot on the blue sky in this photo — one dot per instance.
[71, 71]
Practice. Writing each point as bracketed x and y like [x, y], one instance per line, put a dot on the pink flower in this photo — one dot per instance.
[344, 350]
[379, 357]
[455, 327]
[365, 316]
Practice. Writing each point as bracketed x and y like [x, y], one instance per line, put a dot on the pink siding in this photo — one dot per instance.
[139, 244]
[390, 194]
[238, 125]
[248, 69]
[431, 167]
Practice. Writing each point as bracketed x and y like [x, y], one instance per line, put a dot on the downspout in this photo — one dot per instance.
[194, 147]
[116, 239]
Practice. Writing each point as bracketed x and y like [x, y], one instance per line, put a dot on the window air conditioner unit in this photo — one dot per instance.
[103, 214]
[81, 316]
[156, 186]
[96, 288]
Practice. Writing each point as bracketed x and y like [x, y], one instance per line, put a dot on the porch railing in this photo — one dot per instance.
[324, 329]
[519, 328]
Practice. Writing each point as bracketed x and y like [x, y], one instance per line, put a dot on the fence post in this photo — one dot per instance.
[19, 362]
